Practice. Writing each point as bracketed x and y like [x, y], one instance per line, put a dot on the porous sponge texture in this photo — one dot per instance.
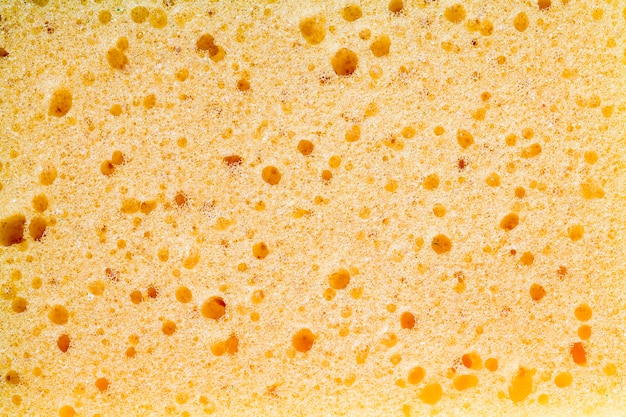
[321, 208]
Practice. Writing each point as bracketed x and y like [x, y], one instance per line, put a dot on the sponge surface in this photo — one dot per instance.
[292, 208]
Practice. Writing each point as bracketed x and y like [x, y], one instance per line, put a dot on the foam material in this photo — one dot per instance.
[312, 208]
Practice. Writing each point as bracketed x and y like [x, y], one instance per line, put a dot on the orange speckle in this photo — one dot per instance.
[591, 157]
[380, 46]
[431, 182]
[509, 222]
[303, 340]
[610, 369]
[12, 229]
[339, 280]
[58, 315]
[521, 21]
[407, 320]
[117, 158]
[352, 12]
[521, 385]
[493, 180]
[464, 138]
[544, 4]
[214, 308]
[12, 377]
[531, 151]
[463, 382]
[63, 342]
[183, 294]
[578, 354]
[260, 250]
[537, 292]
[527, 258]
[563, 379]
[395, 6]
[232, 160]
[416, 375]
[591, 191]
[583, 312]
[271, 175]
[232, 345]
[102, 384]
[455, 13]
[117, 59]
[431, 393]
[472, 361]
[584, 332]
[313, 29]
[575, 232]
[60, 103]
[168, 327]
[19, 304]
[353, 134]
[491, 364]
[344, 62]
[441, 244]
[67, 411]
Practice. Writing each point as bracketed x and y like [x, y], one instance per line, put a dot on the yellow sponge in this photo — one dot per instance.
[266, 208]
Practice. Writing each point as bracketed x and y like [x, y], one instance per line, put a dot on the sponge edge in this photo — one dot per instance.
[244, 208]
